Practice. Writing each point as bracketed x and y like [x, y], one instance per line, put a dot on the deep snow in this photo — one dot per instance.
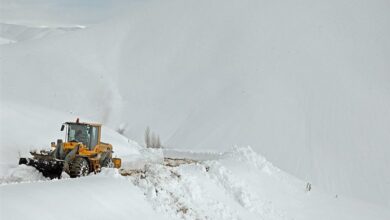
[83, 198]
[238, 184]
[304, 83]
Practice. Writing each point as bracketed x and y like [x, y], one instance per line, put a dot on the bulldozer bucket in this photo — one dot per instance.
[49, 168]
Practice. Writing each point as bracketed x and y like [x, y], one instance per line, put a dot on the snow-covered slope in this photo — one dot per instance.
[239, 184]
[305, 83]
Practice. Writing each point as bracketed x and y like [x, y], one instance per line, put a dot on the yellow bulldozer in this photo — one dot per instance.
[81, 153]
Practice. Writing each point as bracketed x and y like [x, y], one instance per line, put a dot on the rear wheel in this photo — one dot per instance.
[79, 167]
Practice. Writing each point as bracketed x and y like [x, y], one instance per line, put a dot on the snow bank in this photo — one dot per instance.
[242, 185]
[187, 193]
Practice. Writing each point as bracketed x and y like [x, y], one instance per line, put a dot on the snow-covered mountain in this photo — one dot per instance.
[304, 83]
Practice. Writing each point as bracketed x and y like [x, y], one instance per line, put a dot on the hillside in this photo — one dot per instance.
[304, 83]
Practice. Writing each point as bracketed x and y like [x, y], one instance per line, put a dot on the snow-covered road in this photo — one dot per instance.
[84, 198]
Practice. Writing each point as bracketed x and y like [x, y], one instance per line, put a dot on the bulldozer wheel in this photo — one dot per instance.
[108, 163]
[78, 167]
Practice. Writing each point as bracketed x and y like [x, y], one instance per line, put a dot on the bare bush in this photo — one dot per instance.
[152, 140]
[147, 137]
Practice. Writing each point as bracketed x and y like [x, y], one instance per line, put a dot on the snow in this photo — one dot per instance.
[5, 41]
[18, 33]
[271, 189]
[84, 198]
[20, 174]
[238, 184]
[190, 154]
[305, 84]
[241, 184]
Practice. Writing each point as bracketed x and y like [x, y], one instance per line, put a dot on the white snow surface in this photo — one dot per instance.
[95, 197]
[6, 41]
[305, 83]
[239, 185]
[12, 33]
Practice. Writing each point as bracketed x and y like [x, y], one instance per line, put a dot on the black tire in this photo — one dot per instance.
[78, 167]
[108, 163]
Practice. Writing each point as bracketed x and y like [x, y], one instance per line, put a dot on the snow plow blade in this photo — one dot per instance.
[49, 168]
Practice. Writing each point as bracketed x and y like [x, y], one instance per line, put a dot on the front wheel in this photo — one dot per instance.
[78, 167]
[108, 163]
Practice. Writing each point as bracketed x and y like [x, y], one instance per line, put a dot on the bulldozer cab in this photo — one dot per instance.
[88, 134]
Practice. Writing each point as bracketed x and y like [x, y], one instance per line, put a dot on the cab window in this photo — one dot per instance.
[94, 136]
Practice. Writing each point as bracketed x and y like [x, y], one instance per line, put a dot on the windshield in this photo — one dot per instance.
[86, 134]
